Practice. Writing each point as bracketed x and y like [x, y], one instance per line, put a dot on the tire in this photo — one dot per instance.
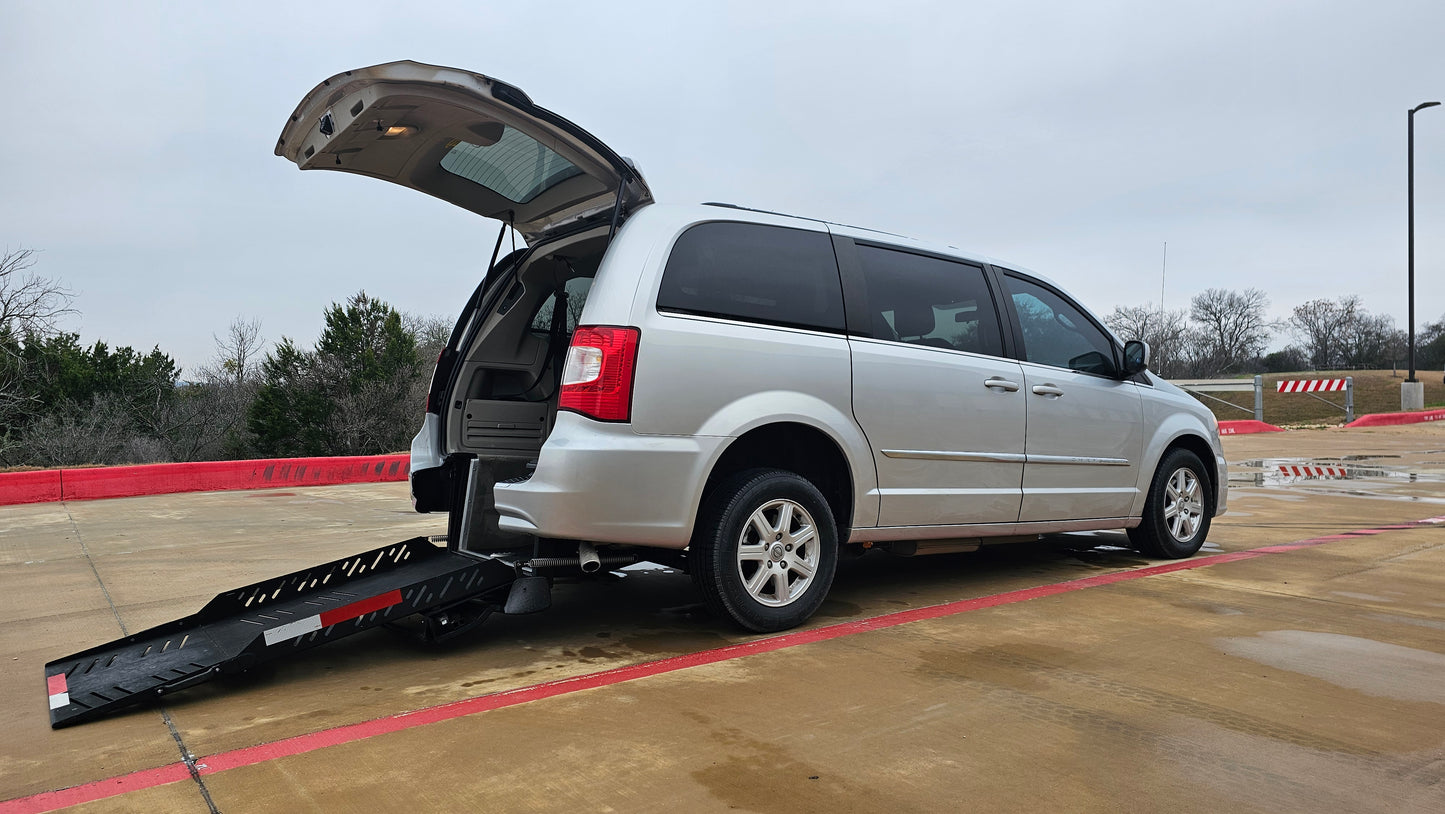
[764, 584]
[1177, 509]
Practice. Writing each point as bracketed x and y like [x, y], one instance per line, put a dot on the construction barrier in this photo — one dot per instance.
[1246, 427]
[1335, 472]
[1395, 419]
[1311, 386]
[29, 487]
[1201, 388]
[203, 476]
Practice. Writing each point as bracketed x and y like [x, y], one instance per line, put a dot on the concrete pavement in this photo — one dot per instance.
[1305, 679]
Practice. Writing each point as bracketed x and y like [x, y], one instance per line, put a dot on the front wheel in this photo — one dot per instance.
[765, 549]
[1176, 510]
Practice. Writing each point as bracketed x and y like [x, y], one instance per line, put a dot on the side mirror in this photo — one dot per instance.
[1093, 362]
[1136, 358]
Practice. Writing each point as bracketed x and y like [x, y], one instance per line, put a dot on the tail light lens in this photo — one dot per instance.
[597, 379]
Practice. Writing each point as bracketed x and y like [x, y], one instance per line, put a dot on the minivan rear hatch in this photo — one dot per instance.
[465, 138]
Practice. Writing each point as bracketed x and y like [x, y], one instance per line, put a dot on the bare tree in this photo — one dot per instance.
[206, 419]
[97, 433]
[1430, 345]
[1166, 332]
[1321, 326]
[29, 307]
[238, 354]
[29, 303]
[1372, 341]
[1234, 329]
[432, 333]
[1342, 334]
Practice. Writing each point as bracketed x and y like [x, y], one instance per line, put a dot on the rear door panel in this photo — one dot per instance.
[942, 408]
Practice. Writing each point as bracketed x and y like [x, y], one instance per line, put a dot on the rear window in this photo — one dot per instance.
[768, 274]
[515, 166]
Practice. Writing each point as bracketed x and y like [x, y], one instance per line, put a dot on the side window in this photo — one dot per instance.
[577, 289]
[1057, 333]
[927, 301]
[757, 273]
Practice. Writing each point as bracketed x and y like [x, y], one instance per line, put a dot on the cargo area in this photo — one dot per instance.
[509, 373]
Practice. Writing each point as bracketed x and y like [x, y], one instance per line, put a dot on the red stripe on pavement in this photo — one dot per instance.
[350, 733]
[355, 609]
[99, 790]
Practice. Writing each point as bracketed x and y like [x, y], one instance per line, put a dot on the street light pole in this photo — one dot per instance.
[1411, 206]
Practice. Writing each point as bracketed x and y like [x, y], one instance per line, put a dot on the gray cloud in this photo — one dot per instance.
[1264, 141]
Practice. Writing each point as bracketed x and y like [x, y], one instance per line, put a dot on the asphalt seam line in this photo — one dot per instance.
[350, 733]
[188, 759]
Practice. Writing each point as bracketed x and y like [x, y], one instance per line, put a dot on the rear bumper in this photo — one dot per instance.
[604, 483]
[431, 483]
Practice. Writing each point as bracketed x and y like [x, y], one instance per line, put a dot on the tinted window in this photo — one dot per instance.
[928, 301]
[515, 166]
[758, 273]
[577, 290]
[1057, 333]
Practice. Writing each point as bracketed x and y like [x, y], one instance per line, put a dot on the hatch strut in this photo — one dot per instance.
[492, 266]
[617, 207]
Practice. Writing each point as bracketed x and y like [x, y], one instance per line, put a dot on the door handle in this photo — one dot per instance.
[1047, 390]
[1002, 384]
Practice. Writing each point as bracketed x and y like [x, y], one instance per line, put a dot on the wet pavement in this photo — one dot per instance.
[1067, 675]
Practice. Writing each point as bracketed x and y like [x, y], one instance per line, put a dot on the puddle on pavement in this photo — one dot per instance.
[1277, 472]
[1371, 667]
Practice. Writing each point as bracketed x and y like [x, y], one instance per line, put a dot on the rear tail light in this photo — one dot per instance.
[597, 380]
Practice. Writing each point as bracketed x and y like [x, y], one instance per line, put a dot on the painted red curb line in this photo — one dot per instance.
[99, 790]
[1396, 419]
[1246, 426]
[52, 485]
[349, 733]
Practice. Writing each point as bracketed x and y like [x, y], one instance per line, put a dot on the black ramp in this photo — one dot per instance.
[271, 619]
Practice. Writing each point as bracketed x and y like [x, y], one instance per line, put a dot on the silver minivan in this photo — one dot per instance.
[742, 393]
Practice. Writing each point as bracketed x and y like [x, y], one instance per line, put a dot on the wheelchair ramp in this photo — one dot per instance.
[269, 620]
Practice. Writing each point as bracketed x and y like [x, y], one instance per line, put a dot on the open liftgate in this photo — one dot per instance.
[277, 617]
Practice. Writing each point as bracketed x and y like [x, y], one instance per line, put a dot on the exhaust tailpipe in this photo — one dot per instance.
[587, 558]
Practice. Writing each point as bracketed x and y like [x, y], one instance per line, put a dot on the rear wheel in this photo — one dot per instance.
[765, 549]
[1177, 509]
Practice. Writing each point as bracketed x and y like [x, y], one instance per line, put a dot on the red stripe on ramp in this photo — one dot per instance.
[55, 684]
[361, 608]
[302, 744]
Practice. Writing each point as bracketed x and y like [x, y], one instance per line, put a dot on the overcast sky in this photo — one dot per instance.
[1263, 140]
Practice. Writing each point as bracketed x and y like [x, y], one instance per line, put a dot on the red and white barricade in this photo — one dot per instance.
[1311, 385]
